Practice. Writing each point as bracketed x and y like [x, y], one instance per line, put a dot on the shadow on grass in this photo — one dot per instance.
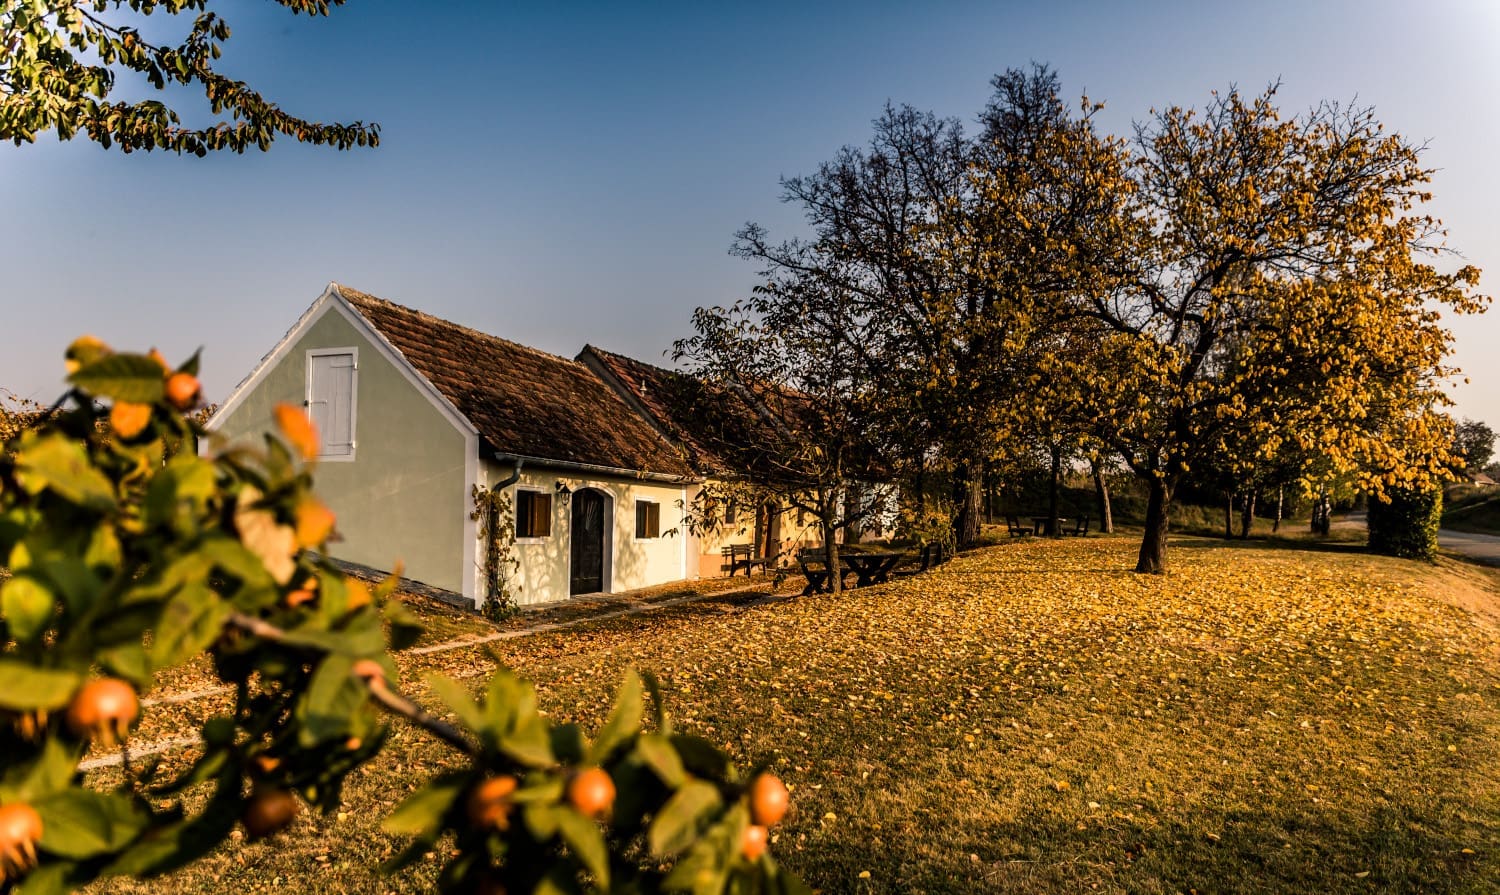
[1332, 544]
[1388, 849]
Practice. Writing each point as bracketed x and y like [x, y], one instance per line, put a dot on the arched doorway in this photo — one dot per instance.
[589, 541]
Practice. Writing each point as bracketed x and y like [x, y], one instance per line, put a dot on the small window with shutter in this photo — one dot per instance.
[332, 394]
[647, 519]
[533, 514]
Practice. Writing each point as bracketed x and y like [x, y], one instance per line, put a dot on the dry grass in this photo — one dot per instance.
[1034, 718]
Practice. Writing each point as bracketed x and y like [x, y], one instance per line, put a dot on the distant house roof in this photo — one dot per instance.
[723, 428]
[1480, 478]
[522, 401]
[667, 399]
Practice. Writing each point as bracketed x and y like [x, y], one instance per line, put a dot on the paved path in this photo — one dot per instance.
[1484, 548]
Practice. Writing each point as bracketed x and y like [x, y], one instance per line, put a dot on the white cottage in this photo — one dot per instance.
[415, 413]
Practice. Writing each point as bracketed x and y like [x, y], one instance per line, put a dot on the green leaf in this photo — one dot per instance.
[701, 871]
[128, 660]
[676, 825]
[49, 879]
[657, 752]
[530, 744]
[185, 479]
[326, 711]
[189, 622]
[586, 839]
[405, 628]
[658, 705]
[27, 606]
[455, 697]
[783, 881]
[624, 722]
[123, 377]
[541, 819]
[505, 699]
[360, 638]
[62, 465]
[103, 554]
[25, 687]
[422, 812]
[50, 770]
[81, 823]
[567, 743]
[701, 757]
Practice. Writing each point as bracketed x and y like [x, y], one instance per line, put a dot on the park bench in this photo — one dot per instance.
[931, 555]
[1017, 530]
[1081, 528]
[742, 556]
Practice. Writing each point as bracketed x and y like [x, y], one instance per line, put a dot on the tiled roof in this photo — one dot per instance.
[719, 427]
[522, 401]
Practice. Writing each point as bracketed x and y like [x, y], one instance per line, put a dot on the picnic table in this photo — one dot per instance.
[869, 567]
[1044, 524]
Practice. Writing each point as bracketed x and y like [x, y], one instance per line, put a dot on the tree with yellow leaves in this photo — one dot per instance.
[1281, 283]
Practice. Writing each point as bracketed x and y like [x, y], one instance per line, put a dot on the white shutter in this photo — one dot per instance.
[330, 401]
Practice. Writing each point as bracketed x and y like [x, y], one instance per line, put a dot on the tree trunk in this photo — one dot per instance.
[1229, 517]
[1101, 494]
[1153, 556]
[1053, 493]
[828, 519]
[968, 481]
[1280, 496]
[1247, 514]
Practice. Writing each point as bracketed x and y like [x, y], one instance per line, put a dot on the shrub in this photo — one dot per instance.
[131, 553]
[1404, 522]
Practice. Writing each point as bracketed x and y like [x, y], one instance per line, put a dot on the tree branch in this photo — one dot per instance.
[380, 693]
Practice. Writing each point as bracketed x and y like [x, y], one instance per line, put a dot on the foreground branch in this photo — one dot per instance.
[380, 693]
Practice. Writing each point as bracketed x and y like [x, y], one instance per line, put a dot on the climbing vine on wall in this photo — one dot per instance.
[497, 530]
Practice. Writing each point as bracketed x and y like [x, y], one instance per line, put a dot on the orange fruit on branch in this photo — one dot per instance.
[103, 709]
[768, 800]
[269, 811]
[129, 420]
[592, 793]
[20, 828]
[489, 804]
[183, 390]
[753, 842]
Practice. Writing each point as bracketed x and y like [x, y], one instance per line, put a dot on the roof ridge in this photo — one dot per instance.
[479, 333]
[635, 360]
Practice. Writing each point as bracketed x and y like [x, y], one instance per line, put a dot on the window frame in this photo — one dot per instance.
[652, 513]
[307, 396]
[531, 498]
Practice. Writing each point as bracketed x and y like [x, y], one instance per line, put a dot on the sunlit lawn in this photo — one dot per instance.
[1032, 717]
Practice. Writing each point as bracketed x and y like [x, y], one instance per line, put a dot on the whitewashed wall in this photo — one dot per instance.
[545, 563]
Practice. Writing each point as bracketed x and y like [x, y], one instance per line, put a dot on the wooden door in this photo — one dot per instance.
[588, 542]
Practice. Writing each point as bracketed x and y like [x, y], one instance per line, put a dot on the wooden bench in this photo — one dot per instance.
[931, 555]
[742, 556]
[1081, 529]
[1017, 530]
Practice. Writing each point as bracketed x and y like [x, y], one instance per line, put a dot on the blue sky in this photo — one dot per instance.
[567, 173]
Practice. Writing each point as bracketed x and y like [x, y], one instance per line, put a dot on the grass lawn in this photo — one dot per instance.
[1473, 509]
[1032, 717]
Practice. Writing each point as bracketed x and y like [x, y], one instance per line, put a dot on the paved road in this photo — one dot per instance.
[1485, 548]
